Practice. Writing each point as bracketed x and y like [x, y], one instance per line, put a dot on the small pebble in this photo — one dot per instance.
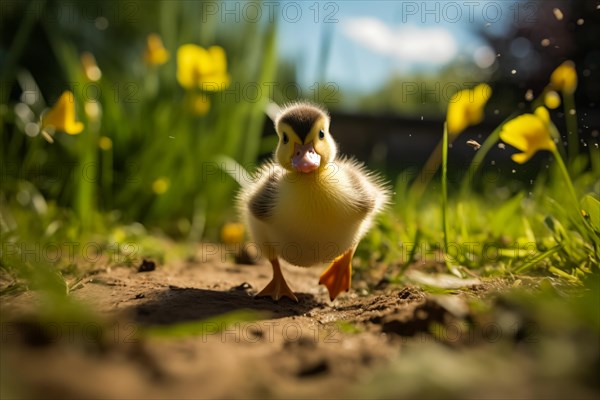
[147, 266]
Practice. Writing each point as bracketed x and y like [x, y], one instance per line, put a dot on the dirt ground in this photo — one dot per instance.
[313, 348]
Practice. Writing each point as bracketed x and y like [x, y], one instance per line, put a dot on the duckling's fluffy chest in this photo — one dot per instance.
[313, 221]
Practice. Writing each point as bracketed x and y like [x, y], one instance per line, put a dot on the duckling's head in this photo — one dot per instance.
[305, 144]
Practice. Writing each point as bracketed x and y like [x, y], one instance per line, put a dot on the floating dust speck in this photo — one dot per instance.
[580, 21]
[502, 146]
[545, 42]
[558, 14]
[572, 111]
[514, 171]
[47, 136]
[513, 72]
[474, 144]
[529, 95]
[496, 112]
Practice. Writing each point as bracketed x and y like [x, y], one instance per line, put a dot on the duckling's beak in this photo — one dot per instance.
[305, 158]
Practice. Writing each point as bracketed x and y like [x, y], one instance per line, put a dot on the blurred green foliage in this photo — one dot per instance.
[158, 163]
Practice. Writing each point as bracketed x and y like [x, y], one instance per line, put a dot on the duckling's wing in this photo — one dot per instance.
[263, 199]
[369, 192]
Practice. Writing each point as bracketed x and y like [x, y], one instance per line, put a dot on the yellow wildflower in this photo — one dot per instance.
[564, 78]
[232, 233]
[202, 68]
[62, 116]
[160, 185]
[198, 103]
[529, 133]
[552, 100]
[105, 143]
[466, 108]
[155, 53]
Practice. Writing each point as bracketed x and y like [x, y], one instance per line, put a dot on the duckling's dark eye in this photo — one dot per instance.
[285, 139]
[321, 134]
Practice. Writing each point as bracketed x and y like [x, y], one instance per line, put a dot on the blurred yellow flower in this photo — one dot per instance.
[105, 143]
[529, 133]
[198, 103]
[232, 233]
[62, 116]
[202, 68]
[155, 53]
[160, 185]
[466, 108]
[564, 78]
[552, 100]
[90, 68]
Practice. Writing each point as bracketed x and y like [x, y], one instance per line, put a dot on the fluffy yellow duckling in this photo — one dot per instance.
[308, 206]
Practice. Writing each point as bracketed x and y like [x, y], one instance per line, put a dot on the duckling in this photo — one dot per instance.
[307, 205]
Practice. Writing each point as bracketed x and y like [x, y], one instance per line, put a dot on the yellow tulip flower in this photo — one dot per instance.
[552, 100]
[466, 108]
[155, 53]
[62, 116]
[529, 133]
[202, 68]
[564, 78]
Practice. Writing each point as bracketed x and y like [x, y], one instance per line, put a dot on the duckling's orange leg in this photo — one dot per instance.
[337, 276]
[278, 287]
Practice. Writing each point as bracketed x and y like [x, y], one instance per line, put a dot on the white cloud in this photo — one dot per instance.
[409, 44]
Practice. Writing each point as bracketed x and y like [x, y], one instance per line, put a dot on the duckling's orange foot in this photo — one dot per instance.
[338, 275]
[278, 287]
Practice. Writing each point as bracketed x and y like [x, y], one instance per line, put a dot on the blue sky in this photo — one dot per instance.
[371, 40]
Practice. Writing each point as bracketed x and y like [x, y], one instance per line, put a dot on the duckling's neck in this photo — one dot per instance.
[321, 176]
